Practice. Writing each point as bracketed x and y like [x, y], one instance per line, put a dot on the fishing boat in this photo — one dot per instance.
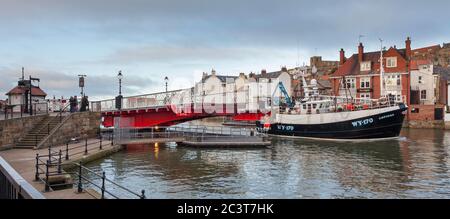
[334, 117]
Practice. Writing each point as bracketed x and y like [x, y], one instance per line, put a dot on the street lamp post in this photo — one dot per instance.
[119, 104]
[166, 79]
[81, 83]
[120, 76]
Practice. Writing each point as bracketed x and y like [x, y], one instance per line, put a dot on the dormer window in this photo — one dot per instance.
[365, 66]
[391, 62]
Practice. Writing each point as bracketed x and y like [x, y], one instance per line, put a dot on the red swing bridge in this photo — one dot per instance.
[178, 106]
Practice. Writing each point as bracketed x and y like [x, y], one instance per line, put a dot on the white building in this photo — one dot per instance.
[215, 89]
[18, 97]
[423, 83]
[263, 87]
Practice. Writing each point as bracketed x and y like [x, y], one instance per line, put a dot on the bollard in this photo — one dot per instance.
[85, 147]
[48, 129]
[143, 194]
[67, 150]
[103, 185]
[80, 186]
[100, 143]
[59, 162]
[47, 187]
[112, 138]
[36, 176]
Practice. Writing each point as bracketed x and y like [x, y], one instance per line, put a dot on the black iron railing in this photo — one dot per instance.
[12, 111]
[50, 165]
[83, 180]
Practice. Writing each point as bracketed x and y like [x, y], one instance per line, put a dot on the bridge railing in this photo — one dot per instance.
[124, 135]
[135, 102]
[187, 97]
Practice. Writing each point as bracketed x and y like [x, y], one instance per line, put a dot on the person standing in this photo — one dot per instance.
[75, 100]
[71, 104]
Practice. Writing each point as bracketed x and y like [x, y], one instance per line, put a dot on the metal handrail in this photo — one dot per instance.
[9, 109]
[103, 186]
[54, 159]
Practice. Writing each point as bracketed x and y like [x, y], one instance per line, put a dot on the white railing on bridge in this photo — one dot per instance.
[187, 98]
[135, 102]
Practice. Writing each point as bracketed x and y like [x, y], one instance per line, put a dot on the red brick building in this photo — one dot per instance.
[359, 75]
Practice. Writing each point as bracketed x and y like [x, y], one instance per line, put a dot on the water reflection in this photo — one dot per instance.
[416, 165]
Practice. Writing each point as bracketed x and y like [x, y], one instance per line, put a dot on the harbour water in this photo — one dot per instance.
[416, 165]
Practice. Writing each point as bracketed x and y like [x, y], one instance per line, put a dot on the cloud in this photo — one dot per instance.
[183, 54]
[58, 84]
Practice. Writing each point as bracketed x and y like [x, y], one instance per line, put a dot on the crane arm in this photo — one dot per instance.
[285, 93]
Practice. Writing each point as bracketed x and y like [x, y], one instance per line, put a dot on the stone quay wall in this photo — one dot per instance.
[76, 125]
[12, 129]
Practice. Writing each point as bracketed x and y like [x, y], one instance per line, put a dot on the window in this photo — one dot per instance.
[391, 62]
[420, 80]
[364, 82]
[365, 66]
[423, 94]
[365, 96]
[349, 83]
[392, 80]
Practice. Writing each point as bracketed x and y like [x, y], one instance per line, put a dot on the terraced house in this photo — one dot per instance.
[408, 75]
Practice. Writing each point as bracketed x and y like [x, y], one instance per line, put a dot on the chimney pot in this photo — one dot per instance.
[408, 47]
[342, 56]
[360, 52]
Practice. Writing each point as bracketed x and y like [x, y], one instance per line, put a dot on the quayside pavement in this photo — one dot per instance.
[24, 162]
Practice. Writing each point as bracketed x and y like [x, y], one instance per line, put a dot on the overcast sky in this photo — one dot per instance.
[149, 39]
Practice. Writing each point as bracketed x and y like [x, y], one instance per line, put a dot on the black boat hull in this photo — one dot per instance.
[383, 125]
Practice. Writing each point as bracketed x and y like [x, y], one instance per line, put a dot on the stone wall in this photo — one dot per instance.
[80, 124]
[12, 129]
[426, 124]
[422, 112]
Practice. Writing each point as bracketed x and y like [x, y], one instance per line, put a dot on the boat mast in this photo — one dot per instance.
[381, 69]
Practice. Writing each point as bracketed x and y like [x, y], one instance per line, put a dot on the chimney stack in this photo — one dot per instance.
[408, 48]
[263, 72]
[284, 69]
[342, 56]
[360, 52]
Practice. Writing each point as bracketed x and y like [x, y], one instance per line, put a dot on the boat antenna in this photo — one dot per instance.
[359, 38]
[345, 88]
[381, 68]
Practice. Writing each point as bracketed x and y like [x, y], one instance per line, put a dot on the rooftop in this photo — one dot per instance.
[35, 91]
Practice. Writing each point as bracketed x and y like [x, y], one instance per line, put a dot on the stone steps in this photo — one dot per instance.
[39, 132]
